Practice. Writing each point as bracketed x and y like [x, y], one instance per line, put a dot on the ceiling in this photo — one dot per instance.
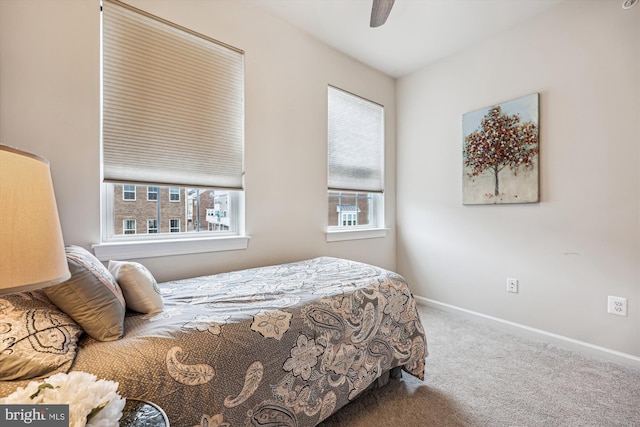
[417, 32]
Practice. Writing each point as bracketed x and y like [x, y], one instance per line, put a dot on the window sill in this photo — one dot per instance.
[342, 235]
[158, 248]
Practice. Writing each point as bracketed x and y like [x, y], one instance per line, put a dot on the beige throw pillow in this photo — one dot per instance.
[140, 289]
[36, 338]
[91, 296]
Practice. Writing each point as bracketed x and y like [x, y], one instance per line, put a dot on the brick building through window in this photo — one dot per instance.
[141, 209]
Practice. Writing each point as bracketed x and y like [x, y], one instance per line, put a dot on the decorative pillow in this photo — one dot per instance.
[36, 338]
[91, 296]
[140, 289]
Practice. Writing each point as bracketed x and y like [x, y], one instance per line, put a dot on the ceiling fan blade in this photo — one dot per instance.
[380, 10]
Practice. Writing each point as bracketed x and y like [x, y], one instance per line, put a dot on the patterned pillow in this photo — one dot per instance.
[91, 296]
[140, 289]
[36, 338]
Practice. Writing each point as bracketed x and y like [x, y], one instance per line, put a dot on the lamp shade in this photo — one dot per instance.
[31, 246]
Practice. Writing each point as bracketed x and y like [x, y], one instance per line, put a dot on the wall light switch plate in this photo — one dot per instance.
[617, 305]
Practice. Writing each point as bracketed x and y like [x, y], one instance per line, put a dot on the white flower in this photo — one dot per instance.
[81, 391]
[397, 301]
[271, 324]
[304, 356]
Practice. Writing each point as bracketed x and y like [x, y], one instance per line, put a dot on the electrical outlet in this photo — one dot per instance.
[617, 305]
[512, 285]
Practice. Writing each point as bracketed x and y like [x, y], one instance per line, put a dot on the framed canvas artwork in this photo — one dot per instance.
[500, 153]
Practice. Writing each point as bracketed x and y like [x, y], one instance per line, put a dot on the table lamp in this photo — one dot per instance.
[31, 246]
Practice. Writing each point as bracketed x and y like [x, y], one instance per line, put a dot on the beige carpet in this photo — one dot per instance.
[479, 374]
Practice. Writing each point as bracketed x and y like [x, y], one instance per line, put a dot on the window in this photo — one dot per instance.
[129, 192]
[172, 117]
[152, 225]
[352, 209]
[196, 211]
[174, 194]
[129, 226]
[348, 219]
[152, 193]
[355, 161]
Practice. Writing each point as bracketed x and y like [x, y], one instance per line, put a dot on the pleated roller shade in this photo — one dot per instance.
[173, 103]
[356, 143]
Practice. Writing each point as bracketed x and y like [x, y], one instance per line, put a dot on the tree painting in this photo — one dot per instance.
[500, 153]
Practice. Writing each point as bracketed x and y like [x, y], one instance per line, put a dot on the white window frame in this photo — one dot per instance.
[376, 208]
[173, 192]
[152, 189]
[125, 192]
[121, 247]
[349, 219]
[376, 227]
[172, 227]
[161, 244]
[126, 230]
[149, 228]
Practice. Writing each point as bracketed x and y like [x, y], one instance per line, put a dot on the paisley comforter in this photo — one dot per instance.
[283, 345]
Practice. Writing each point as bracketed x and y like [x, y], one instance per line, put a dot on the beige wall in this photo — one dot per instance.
[49, 104]
[581, 243]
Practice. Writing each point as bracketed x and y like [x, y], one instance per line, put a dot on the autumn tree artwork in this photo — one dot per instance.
[500, 155]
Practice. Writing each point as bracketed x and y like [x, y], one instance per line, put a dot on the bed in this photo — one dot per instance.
[284, 345]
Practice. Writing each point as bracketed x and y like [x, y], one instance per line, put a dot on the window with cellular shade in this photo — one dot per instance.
[173, 103]
[356, 143]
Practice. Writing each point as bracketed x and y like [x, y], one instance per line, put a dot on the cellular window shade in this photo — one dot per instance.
[356, 143]
[173, 103]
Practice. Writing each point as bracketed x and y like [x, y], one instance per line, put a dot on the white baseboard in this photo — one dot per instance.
[549, 337]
